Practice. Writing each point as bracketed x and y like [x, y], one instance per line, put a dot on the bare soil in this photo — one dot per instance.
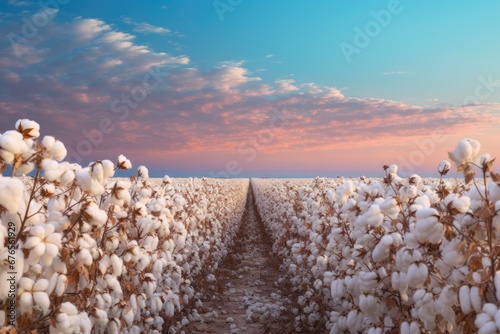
[248, 295]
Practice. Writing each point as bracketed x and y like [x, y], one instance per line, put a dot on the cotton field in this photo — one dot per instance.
[392, 255]
[84, 252]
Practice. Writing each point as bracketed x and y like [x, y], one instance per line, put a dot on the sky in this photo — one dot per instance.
[239, 88]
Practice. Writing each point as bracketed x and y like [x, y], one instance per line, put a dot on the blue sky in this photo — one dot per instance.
[427, 59]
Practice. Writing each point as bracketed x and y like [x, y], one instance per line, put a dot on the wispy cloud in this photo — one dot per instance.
[269, 56]
[396, 72]
[69, 88]
[147, 28]
[19, 3]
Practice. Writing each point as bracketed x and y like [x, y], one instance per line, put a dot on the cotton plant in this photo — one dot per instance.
[391, 254]
[101, 254]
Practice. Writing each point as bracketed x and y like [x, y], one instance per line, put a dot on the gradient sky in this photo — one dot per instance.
[255, 88]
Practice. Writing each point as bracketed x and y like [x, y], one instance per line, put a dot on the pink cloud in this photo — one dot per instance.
[71, 86]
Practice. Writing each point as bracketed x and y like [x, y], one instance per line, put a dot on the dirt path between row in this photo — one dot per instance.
[248, 295]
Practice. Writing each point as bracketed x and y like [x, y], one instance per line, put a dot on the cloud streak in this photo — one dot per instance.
[147, 28]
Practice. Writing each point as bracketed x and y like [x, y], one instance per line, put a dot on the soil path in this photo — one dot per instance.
[248, 296]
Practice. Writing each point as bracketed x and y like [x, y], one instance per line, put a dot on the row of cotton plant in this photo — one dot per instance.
[90, 253]
[392, 255]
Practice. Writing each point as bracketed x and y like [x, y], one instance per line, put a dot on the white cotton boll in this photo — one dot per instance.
[497, 318]
[374, 216]
[26, 302]
[417, 275]
[85, 323]
[392, 169]
[108, 169]
[12, 141]
[475, 298]
[42, 300]
[404, 328]
[124, 163]
[180, 242]
[112, 244]
[461, 204]
[50, 169]
[117, 264]
[100, 317]
[490, 309]
[390, 207]
[7, 156]
[28, 128]
[143, 172]
[447, 299]
[48, 142]
[382, 250]
[51, 251]
[41, 285]
[104, 263]
[36, 253]
[83, 178]
[114, 326]
[485, 159]
[444, 167]
[68, 308]
[54, 148]
[368, 304]
[11, 194]
[25, 168]
[128, 315]
[414, 328]
[52, 283]
[488, 328]
[25, 284]
[94, 215]
[140, 209]
[84, 257]
[67, 177]
[497, 285]
[428, 228]
[466, 151]
[464, 299]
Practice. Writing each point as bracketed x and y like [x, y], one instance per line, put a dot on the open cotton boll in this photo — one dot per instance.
[11, 194]
[428, 228]
[493, 191]
[143, 172]
[6, 156]
[54, 149]
[444, 305]
[12, 141]
[390, 207]
[467, 150]
[25, 168]
[417, 275]
[44, 244]
[459, 204]
[94, 215]
[444, 167]
[485, 159]
[382, 250]
[101, 171]
[84, 257]
[124, 163]
[28, 128]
